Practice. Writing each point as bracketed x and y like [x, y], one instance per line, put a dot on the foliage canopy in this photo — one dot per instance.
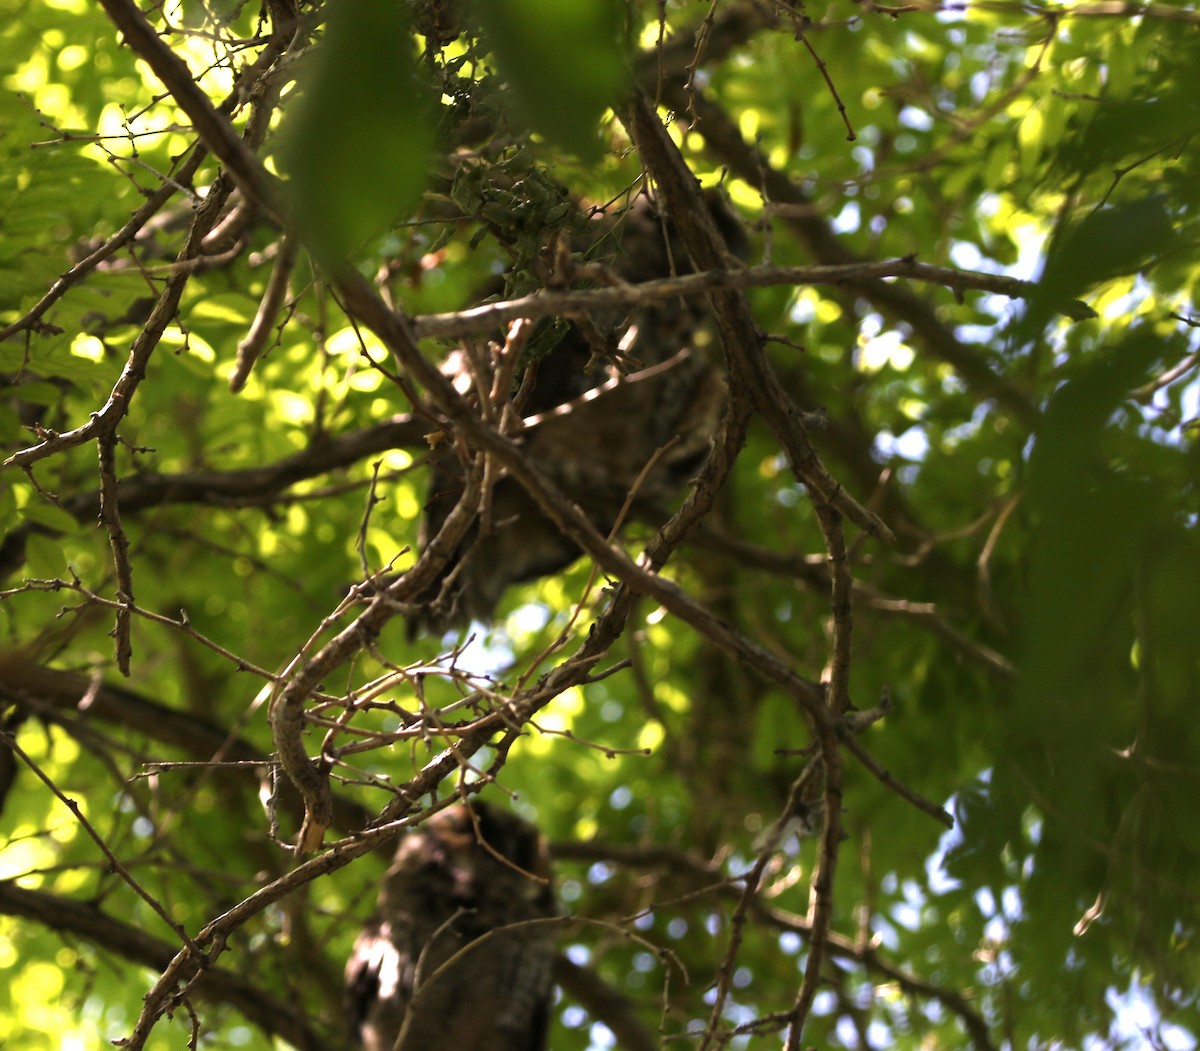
[943, 554]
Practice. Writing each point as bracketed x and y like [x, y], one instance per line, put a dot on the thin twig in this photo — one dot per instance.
[10, 741]
[488, 317]
[254, 344]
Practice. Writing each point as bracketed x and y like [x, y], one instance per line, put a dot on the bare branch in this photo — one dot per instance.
[215, 984]
[487, 317]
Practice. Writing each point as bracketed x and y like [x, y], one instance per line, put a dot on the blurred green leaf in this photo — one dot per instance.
[356, 148]
[562, 62]
[1113, 242]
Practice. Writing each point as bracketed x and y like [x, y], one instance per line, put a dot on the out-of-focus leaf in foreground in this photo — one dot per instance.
[356, 149]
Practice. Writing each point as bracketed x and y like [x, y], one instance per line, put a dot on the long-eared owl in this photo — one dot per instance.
[625, 389]
[440, 968]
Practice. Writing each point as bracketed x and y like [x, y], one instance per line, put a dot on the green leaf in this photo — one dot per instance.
[44, 556]
[1104, 245]
[357, 147]
[49, 515]
[777, 724]
[1090, 524]
[562, 63]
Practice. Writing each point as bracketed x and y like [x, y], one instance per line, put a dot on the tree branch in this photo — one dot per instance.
[488, 317]
[724, 139]
[215, 984]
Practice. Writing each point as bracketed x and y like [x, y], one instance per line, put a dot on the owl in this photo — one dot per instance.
[437, 970]
[623, 404]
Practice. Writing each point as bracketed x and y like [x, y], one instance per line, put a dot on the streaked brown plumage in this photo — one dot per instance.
[590, 430]
[414, 976]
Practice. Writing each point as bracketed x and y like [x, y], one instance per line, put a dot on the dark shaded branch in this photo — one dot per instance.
[813, 572]
[709, 878]
[215, 984]
[219, 488]
[896, 302]
[605, 1004]
[884, 777]
[55, 695]
[748, 368]
[489, 316]
[750, 371]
